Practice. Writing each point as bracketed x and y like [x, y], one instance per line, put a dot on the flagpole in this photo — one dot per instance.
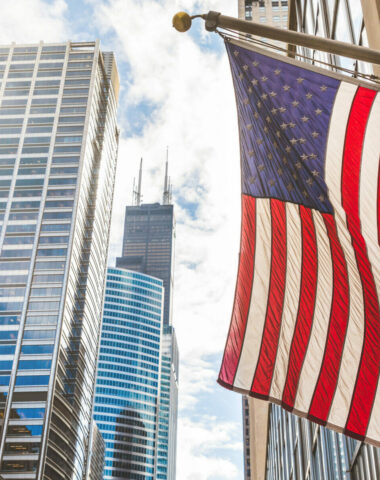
[182, 22]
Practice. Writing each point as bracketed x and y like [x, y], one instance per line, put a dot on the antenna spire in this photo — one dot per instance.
[137, 192]
[167, 195]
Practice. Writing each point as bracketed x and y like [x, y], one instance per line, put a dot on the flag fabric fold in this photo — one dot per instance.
[305, 326]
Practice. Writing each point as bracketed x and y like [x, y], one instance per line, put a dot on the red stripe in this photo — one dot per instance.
[306, 307]
[368, 373]
[264, 371]
[326, 384]
[242, 294]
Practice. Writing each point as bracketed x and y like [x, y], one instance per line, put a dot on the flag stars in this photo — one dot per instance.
[300, 80]
[245, 67]
[321, 198]
[318, 111]
[278, 133]
[246, 101]
[304, 118]
[283, 125]
[241, 76]
[274, 111]
[295, 176]
[236, 53]
[298, 165]
[305, 194]
[293, 141]
[309, 95]
[313, 156]
[249, 126]
[310, 181]
[280, 171]
[256, 115]
[295, 103]
[315, 173]
[302, 140]
[277, 71]
[259, 104]
[284, 160]
[250, 90]
[315, 134]
[266, 129]
[289, 148]
[264, 78]
[275, 145]
[267, 118]
[272, 93]
[260, 168]
[259, 141]
[252, 179]
[289, 187]
[323, 88]
[250, 153]
[304, 156]
[254, 82]
[282, 109]
[291, 124]
[272, 182]
[264, 96]
[255, 63]
[286, 87]
[270, 156]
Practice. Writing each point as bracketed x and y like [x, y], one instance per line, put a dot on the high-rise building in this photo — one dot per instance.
[58, 150]
[128, 377]
[148, 247]
[294, 447]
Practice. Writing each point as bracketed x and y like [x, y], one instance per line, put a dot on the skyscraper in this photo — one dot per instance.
[148, 247]
[58, 149]
[295, 447]
[128, 377]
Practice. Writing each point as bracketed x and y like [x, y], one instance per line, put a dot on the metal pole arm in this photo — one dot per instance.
[216, 19]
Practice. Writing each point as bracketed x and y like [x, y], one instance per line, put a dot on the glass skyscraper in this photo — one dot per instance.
[58, 149]
[128, 378]
[148, 247]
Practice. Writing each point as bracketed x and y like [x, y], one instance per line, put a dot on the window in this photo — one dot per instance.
[40, 120]
[24, 413]
[42, 110]
[41, 320]
[47, 278]
[55, 227]
[48, 83]
[71, 119]
[31, 171]
[58, 204]
[8, 335]
[24, 430]
[9, 319]
[69, 110]
[52, 252]
[34, 364]
[36, 349]
[33, 161]
[24, 215]
[40, 334]
[77, 82]
[64, 171]
[66, 129]
[16, 253]
[10, 306]
[18, 240]
[54, 265]
[46, 292]
[54, 48]
[62, 181]
[46, 91]
[32, 380]
[28, 193]
[22, 228]
[53, 239]
[72, 159]
[61, 193]
[66, 149]
[57, 215]
[52, 56]
[13, 278]
[68, 139]
[39, 129]
[75, 91]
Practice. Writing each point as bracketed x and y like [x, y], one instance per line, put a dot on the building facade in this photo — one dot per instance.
[128, 377]
[58, 150]
[148, 247]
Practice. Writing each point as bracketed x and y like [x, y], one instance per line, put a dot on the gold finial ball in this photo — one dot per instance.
[182, 21]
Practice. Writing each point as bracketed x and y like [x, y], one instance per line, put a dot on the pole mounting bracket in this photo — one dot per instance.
[212, 21]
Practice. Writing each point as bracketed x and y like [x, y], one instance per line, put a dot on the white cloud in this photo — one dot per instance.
[29, 21]
[201, 439]
[190, 86]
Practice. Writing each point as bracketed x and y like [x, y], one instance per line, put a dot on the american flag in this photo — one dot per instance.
[305, 327]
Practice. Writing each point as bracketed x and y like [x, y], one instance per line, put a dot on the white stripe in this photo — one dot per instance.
[321, 318]
[355, 329]
[368, 190]
[259, 296]
[368, 217]
[291, 298]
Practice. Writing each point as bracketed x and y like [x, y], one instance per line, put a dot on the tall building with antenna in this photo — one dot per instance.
[148, 248]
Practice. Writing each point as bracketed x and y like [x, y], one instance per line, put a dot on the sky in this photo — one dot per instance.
[176, 92]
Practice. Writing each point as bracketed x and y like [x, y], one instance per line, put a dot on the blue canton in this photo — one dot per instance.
[284, 114]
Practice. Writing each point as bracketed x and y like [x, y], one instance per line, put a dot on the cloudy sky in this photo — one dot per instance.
[176, 91]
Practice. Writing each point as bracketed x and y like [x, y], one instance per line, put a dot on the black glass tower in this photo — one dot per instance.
[148, 243]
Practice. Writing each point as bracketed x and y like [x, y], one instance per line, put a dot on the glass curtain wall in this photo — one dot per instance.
[58, 148]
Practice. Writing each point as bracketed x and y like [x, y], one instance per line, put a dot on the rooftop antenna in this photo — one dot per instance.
[167, 195]
[137, 193]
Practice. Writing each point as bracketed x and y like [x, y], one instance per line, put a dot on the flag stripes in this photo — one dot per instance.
[305, 328]
[368, 373]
